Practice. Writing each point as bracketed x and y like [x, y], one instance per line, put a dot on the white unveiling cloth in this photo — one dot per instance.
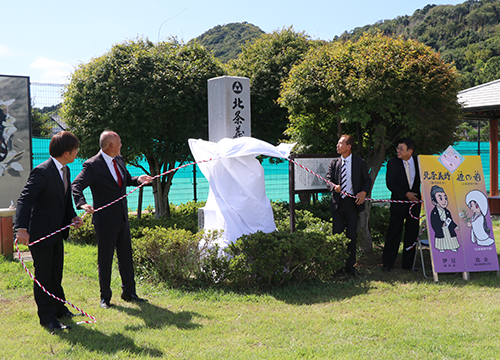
[237, 201]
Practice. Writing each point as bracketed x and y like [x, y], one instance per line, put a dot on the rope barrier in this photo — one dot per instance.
[92, 318]
[413, 203]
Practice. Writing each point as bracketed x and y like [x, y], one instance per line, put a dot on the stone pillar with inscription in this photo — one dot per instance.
[228, 108]
[228, 118]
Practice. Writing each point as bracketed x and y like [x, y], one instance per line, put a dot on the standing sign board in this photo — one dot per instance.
[15, 144]
[457, 214]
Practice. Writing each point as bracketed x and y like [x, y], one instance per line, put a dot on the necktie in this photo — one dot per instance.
[343, 179]
[118, 174]
[407, 170]
[65, 178]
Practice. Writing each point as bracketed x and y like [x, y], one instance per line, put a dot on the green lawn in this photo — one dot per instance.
[396, 315]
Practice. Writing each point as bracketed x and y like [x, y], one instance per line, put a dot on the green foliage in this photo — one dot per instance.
[266, 62]
[184, 216]
[470, 129]
[379, 222]
[215, 266]
[305, 219]
[466, 34]
[227, 41]
[319, 209]
[85, 234]
[169, 255]
[153, 95]
[279, 257]
[349, 88]
[40, 123]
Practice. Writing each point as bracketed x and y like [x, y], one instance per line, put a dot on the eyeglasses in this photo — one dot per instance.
[401, 148]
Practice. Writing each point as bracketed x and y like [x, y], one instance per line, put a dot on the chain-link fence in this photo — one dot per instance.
[189, 183]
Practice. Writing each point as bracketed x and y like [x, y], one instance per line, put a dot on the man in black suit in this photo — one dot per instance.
[349, 174]
[44, 206]
[108, 179]
[403, 180]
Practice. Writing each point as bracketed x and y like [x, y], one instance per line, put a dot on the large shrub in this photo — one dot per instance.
[169, 254]
[269, 259]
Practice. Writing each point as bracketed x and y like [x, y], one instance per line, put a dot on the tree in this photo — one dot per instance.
[267, 62]
[377, 89]
[227, 41]
[40, 123]
[153, 95]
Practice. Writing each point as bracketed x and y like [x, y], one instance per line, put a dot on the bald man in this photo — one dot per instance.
[108, 178]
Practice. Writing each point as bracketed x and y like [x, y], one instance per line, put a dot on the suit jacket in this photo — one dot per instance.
[361, 180]
[43, 207]
[437, 223]
[397, 182]
[104, 188]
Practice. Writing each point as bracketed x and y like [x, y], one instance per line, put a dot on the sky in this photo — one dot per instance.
[46, 40]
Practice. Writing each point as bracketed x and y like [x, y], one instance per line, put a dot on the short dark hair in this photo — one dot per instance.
[349, 140]
[434, 190]
[408, 142]
[61, 142]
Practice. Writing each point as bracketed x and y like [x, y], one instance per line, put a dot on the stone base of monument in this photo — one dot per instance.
[211, 219]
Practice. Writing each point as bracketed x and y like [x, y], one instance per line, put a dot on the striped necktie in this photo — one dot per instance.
[343, 178]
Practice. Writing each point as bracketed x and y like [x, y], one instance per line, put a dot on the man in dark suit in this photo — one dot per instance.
[44, 206]
[108, 179]
[403, 180]
[349, 175]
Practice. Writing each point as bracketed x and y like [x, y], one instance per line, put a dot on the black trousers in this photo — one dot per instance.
[49, 261]
[346, 218]
[400, 218]
[109, 239]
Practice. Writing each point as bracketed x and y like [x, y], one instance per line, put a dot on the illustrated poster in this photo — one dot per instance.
[457, 214]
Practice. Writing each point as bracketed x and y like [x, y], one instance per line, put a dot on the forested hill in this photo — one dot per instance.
[227, 40]
[467, 34]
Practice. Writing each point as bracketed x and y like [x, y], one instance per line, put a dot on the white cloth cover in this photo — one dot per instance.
[237, 201]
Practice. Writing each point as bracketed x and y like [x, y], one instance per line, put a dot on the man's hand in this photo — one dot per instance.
[360, 197]
[412, 196]
[76, 222]
[23, 237]
[88, 208]
[336, 188]
[144, 179]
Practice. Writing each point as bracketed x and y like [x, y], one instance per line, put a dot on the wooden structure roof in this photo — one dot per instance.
[483, 102]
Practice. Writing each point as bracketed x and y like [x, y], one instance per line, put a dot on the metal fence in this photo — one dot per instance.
[189, 183]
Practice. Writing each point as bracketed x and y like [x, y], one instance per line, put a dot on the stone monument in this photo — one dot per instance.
[228, 108]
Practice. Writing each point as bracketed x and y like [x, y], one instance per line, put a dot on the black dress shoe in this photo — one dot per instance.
[132, 297]
[105, 303]
[56, 325]
[386, 268]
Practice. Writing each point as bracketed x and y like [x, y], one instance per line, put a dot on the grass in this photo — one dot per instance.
[392, 315]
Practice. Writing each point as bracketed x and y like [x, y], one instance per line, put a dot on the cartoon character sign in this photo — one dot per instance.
[480, 232]
[442, 221]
